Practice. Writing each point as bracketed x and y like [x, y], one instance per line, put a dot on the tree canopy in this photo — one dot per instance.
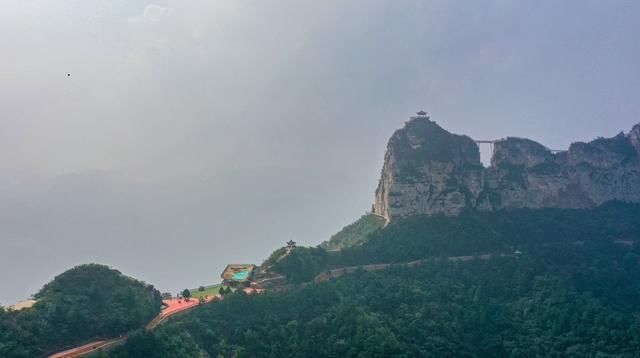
[571, 291]
[558, 301]
[86, 302]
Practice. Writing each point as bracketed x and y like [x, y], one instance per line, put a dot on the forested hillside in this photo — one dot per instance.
[471, 233]
[560, 282]
[559, 300]
[568, 286]
[86, 302]
[355, 233]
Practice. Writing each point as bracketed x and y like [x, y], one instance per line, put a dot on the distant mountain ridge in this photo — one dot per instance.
[430, 171]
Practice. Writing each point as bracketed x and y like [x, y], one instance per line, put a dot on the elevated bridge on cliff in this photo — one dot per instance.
[491, 142]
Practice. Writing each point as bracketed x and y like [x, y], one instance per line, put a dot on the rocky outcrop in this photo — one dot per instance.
[429, 171]
[634, 137]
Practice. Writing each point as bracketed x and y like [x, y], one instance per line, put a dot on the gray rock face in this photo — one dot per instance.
[429, 171]
[634, 137]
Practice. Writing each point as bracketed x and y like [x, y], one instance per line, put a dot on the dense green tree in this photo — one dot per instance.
[470, 233]
[302, 264]
[186, 293]
[84, 303]
[355, 233]
[572, 292]
[169, 343]
[501, 307]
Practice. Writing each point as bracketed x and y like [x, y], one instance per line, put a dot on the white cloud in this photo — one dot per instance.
[151, 13]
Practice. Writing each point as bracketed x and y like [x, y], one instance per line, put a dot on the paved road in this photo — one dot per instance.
[172, 307]
[87, 348]
[176, 306]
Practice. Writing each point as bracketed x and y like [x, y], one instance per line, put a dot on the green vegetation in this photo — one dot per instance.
[79, 305]
[272, 259]
[520, 147]
[208, 291]
[171, 342]
[619, 144]
[571, 291]
[471, 233]
[554, 300]
[485, 232]
[186, 293]
[422, 141]
[354, 234]
[435, 143]
[302, 264]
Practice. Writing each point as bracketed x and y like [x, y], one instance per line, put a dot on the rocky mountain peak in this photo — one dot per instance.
[430, 171]
[519, 151]
[634, 137]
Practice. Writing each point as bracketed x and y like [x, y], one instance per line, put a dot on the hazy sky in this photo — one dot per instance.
[192, 134]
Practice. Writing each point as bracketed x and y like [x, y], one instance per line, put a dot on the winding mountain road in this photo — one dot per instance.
[88, 348]
[173, 307]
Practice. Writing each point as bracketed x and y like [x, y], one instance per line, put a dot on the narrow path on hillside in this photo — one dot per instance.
[341, 271]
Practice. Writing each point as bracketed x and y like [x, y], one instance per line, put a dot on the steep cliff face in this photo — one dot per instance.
[428, 171]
